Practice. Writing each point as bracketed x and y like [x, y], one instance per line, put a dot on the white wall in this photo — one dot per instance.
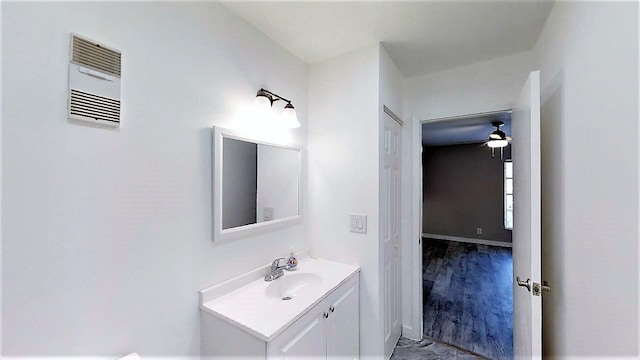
[588, 57]
[1, 192]
[343, 174]
[107, 236]
[391, 82]
[345, 119]
[481, 87]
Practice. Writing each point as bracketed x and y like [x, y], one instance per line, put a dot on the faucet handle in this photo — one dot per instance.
[276, 262]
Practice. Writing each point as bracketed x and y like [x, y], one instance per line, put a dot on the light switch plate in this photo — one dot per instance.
[358, 223]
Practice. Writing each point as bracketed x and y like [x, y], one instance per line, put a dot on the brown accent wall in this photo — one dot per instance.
[463, 190]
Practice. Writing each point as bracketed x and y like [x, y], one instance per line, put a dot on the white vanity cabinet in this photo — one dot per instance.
[343, 327]
[330, 330]
[321, 322]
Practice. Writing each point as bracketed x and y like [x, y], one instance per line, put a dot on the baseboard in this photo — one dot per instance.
[468, 240]
[407, 331]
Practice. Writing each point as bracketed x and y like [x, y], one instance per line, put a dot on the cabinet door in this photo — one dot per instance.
[343, 325]
[304, 339]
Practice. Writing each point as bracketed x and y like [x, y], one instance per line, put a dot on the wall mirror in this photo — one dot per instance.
[256, 184]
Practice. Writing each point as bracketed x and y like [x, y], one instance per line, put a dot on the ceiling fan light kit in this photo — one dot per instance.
[498, 139]
[497, 143]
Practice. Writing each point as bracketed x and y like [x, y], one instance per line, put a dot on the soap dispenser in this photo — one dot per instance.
[292, 262]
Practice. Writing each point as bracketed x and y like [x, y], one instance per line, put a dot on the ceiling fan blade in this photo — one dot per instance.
[508, 138]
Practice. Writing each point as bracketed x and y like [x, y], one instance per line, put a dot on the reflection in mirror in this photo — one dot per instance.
[259, 183]
[239, 183]
[278, 171]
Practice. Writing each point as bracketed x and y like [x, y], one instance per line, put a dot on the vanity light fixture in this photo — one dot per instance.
[264, 101]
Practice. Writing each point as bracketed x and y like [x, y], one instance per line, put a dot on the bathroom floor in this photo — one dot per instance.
[429, 350]
[468, 297]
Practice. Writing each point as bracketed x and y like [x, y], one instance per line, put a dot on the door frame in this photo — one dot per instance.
[414, 329]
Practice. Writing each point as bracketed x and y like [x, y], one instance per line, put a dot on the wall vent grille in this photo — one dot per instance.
[95, 107]
[96, 56]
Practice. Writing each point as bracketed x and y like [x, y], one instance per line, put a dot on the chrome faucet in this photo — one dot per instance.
[276, 271]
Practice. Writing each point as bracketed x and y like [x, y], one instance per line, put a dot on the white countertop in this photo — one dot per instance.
[250, 309]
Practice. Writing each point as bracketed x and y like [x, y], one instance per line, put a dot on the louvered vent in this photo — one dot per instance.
[94, 82]
[96, 56]
[94, 107]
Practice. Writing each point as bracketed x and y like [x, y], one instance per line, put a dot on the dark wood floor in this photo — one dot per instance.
[429, 350]
[468, 296]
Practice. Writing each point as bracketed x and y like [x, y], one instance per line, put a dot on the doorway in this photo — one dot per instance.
[467, 265]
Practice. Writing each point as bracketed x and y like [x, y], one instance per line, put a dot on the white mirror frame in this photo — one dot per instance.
[223, 235]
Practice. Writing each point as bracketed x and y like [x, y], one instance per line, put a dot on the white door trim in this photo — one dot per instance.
[392, 114]
[413, 328]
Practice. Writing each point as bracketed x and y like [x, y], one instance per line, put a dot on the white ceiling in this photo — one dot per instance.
[474, 128]
[420, 36]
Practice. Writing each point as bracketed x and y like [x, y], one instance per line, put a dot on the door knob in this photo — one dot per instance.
[325, 315]
[332, 309]
[526, 284]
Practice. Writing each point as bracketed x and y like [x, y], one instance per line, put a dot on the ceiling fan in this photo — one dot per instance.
[497, 139]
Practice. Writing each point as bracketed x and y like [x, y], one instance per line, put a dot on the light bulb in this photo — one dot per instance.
[289, 117]
[262, 111]
[262, 103]
[497, 143]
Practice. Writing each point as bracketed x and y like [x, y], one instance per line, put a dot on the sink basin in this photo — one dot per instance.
[256, 306]
[292, 285]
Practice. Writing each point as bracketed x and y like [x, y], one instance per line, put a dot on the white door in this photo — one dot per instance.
[343, 327]
[390, 231]
[305, 339]
[527, 307]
